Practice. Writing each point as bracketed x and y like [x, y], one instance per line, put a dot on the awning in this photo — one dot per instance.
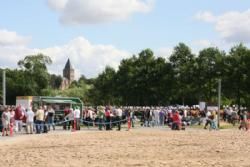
[52, 101]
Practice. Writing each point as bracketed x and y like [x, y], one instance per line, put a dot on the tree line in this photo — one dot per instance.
[145, 79]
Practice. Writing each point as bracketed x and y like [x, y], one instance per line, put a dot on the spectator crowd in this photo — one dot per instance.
[107, 118]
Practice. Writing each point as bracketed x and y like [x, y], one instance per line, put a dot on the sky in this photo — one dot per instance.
[97, 33]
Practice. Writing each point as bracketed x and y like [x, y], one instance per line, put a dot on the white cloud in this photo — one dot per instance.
[205, 16]
[233, 27]
[198, 45]
[8, 38]
[57, 5]
[88, 59]
[164, 52]
[202, 43]
[10, 55]
[75, 12]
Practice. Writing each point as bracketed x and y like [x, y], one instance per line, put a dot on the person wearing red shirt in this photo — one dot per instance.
[108, 118]
[19, 115]
[176, 121]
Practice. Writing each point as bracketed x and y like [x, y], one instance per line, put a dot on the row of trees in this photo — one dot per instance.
[32, 79]
[185, 78]
[144, 79]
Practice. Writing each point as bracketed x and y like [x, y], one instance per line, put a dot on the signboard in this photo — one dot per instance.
[212, 108]
[24, 101]
[202, 106]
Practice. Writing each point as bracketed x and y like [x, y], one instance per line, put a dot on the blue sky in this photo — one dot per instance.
[51, 26]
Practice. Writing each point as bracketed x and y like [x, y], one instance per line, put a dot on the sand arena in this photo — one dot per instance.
[138, 147]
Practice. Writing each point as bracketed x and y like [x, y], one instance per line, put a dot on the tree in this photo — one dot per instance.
[144, 80]
[103, 88]
[35, 67]
[237, 73]
[125, 81]
[55, 81]
[209, 68]
[182, 61]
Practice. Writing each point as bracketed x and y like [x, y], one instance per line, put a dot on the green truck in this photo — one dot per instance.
[59, 104]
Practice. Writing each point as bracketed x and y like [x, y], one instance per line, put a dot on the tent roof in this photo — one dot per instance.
[59, 101]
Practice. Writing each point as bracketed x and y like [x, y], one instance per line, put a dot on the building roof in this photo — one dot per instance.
[68, 65]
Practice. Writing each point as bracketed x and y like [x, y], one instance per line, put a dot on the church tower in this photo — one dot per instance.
[69, 72]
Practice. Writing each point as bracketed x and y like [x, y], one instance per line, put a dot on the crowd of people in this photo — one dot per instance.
[40, 121]
[177, 118]
[107, 118]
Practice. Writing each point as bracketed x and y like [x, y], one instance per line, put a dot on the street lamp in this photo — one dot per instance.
[219, 101]
[4, 88]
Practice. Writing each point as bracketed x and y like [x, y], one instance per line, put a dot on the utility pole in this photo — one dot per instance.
[4, 88]
[219, 101]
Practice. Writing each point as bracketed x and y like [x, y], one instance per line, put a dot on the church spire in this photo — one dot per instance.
[68, 75]
[68, 65]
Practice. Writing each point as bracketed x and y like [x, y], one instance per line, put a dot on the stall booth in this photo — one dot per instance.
[59, 104]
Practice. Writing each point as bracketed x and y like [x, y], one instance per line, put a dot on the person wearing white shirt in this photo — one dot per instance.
[29, 121]
[156, 117]
[118, 117]
[6, 121]
[208, 120]
[51, 117]
[77, 114]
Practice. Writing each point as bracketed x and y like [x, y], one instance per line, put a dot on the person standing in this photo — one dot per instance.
[6, 122]
[100, 115]
[129, 119]
[51, 117]
[77, 118]
[66, 113]
[12, 120]
[45, 120]
[162, 117]
[132, 118]
[39, 120]
[118, 117]
[213, 119]
[243, 120]
[107, 118]
[19, 115]
[147, 117]
[157, 116]
[29, 120]
[208, 119]
[87, 114]
[70, 118]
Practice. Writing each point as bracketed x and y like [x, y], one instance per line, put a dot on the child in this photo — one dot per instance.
[12, 120]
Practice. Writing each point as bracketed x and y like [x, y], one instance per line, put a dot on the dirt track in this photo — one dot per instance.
[141, 147]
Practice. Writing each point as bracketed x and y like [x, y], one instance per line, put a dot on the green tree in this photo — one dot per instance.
[35, 68]
[209, 70]
[237, 73]
[144, 80]
[182, 60]
[55, 81]
[103, 88]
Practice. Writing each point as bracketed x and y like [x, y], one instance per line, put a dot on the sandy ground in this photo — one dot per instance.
[140, 147]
